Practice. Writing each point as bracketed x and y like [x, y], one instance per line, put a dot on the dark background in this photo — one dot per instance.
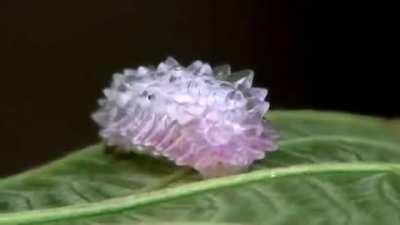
[56, 56]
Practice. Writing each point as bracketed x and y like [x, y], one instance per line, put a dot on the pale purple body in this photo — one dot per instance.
[207, 119]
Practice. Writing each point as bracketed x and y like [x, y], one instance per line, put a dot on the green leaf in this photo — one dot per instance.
[331, 168]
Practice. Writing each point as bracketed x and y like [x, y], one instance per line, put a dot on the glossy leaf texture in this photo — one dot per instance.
[331, 168]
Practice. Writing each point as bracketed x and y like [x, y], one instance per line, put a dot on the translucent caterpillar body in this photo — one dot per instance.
[196, 116]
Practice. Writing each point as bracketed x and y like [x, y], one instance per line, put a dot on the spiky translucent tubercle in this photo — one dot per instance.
[208, 119]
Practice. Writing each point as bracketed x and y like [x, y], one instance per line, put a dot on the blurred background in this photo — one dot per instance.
[56, 56]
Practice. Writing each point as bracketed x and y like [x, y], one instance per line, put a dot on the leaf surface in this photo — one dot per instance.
[331, 168]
